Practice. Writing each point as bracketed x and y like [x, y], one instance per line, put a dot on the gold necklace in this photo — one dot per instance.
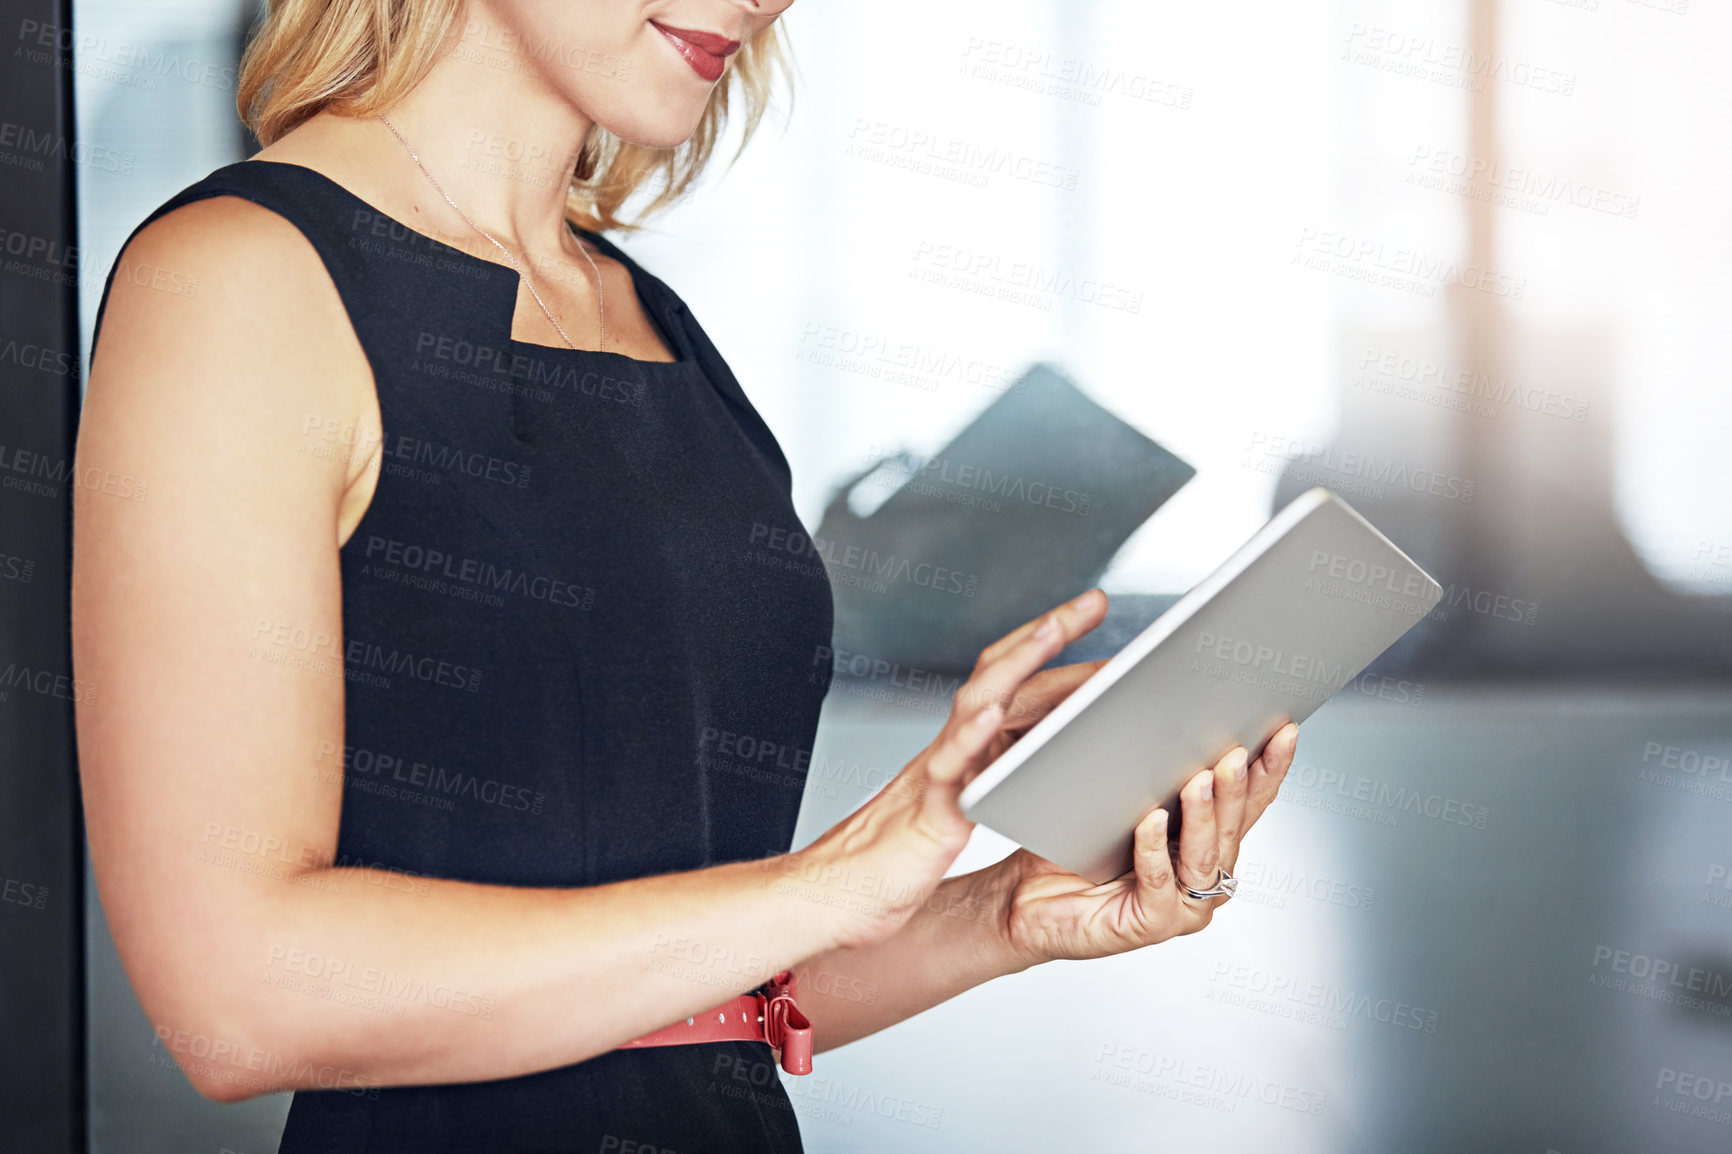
[522, 273]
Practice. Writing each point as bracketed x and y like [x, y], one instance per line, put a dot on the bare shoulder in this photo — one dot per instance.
[214, 225]
[222, 319]
[219, 264]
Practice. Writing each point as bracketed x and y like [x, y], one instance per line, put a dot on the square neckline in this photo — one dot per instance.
[661, 323]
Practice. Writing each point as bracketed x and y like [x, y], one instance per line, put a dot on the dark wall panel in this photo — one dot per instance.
[42, 1105]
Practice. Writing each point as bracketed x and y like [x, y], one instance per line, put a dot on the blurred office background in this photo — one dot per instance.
[1482, 243]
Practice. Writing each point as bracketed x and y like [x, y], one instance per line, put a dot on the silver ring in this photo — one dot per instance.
[1225, 887]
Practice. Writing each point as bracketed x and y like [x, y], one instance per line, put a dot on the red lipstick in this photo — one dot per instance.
[706, 52]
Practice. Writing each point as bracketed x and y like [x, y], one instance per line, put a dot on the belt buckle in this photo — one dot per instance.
[786, 1029]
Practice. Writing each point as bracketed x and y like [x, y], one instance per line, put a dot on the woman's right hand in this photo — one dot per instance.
[879, 864]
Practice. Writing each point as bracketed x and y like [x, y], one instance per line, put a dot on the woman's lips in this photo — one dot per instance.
[706, 52]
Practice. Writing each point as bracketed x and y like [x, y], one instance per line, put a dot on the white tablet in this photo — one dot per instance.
[1296, 614]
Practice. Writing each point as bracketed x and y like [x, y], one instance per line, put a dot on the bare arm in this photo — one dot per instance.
[953, 943]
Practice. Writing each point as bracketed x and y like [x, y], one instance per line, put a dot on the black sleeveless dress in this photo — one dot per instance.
[566, 650]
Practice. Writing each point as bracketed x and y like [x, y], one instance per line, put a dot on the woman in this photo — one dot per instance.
[403, 790]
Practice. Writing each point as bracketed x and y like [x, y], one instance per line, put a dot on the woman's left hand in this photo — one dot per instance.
[1055, 914]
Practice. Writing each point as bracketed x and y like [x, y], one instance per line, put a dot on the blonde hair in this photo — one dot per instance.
[360, 57]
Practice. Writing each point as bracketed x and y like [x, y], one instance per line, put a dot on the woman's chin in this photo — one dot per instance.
[661, 131]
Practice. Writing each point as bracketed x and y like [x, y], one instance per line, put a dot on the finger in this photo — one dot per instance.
[993, 692]
[1083, 613]
[998, 679]
[1157, 893]
[1270, 769]
[1042, 693]
[1199, 835]
[1232, 786]
[962, 746]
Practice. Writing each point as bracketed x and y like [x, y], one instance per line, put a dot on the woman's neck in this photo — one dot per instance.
[500, 143]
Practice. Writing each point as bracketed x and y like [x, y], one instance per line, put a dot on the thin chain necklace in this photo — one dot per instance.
[522, 273]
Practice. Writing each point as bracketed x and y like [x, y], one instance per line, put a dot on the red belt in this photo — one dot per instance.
[767, 1014]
